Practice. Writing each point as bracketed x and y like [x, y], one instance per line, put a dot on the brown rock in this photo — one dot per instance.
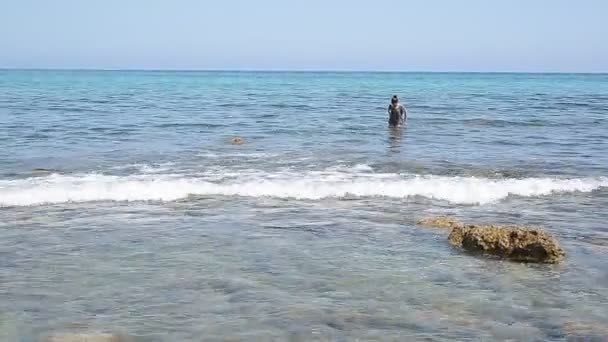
[443, 222]
[237, 141]
[513, 243]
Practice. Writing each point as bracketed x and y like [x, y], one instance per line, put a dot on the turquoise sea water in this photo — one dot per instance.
[146, 220]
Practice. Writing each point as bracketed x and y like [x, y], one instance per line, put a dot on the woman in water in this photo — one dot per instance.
[396, 112]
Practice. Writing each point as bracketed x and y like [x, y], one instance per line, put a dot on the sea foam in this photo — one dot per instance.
[309, 186]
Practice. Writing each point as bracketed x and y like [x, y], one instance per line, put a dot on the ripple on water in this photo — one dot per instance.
[247, 261]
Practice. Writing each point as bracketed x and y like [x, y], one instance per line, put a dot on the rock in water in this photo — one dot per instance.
[237, 141]
[43, 172]
[513, 243]
[99, 337]
[578, 331]
[443, 222]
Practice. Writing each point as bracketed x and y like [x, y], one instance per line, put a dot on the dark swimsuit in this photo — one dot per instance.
[395, 114]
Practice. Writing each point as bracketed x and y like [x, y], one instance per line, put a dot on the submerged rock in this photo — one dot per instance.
[90, 337]
[585, 332]
[237, 141]
[513, 243]
[443, 222]
[43, 172]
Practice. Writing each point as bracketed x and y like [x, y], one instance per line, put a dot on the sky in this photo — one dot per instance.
[391, 35]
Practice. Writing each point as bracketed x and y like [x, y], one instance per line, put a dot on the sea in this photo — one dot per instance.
[126, 208]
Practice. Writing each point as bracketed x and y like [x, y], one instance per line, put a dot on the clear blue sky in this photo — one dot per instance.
[433, 35]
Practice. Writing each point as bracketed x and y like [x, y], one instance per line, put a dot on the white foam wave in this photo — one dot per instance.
[363, 168]
[146, 168]
[312, 186]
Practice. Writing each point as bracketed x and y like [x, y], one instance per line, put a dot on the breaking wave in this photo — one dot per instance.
[358, 183]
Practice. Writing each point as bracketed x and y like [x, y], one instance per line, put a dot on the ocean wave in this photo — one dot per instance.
[484, 122]
[358, 183]
[147, 168]
[190, 125]
[212, 155]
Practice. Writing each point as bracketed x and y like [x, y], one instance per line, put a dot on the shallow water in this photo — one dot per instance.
[142, 218]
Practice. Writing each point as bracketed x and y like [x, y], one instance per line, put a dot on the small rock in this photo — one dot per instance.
[443, 222]
[237, 141]
[513, 243]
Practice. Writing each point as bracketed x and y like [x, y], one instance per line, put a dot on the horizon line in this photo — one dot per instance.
[396, 71]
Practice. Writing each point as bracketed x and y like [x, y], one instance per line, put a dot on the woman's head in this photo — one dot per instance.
[394, 99]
